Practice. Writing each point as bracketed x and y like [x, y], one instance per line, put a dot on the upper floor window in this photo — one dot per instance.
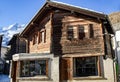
[42, 36]
[79, 31]
[35, 38]
[70, 32]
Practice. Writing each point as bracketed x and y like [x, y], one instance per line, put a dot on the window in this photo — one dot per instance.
[42, 36]
[85, 66]
[35, 38]
[34, 68]
[70, 33]
[80, 31]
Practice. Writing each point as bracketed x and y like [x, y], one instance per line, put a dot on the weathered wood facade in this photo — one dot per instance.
[70, 43]
[17, 45]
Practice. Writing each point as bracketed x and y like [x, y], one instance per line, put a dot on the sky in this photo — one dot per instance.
[22, 11]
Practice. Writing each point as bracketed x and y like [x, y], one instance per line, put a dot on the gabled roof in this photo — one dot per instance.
[66, 7]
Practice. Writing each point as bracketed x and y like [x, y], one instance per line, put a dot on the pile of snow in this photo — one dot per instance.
[4, 78]
[9, 31]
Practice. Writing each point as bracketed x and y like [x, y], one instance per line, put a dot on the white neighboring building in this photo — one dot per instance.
[115, 21]
[118, 45]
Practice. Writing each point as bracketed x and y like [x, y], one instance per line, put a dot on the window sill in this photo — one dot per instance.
[42, 78]
[90, 78]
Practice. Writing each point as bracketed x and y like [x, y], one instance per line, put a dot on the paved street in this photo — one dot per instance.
[4, 78]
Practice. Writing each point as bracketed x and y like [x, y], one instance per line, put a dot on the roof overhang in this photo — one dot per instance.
[66, 7]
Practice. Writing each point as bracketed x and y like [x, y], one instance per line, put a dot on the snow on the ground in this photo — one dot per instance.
[4, 78]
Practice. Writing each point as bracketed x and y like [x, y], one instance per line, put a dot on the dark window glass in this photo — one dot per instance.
[86, 66]
[70, 33]
[33, 68]
[81, 31]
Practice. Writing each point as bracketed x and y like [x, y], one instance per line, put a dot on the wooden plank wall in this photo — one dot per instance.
[90, 45]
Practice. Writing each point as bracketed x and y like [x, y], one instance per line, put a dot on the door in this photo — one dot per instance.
[65, 69]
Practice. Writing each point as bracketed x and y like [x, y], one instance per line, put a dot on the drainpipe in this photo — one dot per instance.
[115, 61]
[116, 55]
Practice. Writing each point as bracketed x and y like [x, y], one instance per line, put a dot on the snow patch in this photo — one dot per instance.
[9, 31]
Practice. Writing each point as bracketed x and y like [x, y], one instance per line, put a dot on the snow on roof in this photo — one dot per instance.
[77, 7]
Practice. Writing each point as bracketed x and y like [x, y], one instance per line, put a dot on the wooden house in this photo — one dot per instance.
[65, 43]
[17, 45]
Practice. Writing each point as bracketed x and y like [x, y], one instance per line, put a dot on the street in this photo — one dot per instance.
[4, 78]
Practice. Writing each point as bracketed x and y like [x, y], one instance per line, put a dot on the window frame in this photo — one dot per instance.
[38, 75]
[97, 66]
[81, 30]
[69, 30]
[87, 32]
[42, 36]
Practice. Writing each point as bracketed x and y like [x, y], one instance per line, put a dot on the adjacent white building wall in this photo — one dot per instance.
[117, 35]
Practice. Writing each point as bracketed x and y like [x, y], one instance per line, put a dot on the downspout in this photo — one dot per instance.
[116, 57]
[115, 60]
[113, 38]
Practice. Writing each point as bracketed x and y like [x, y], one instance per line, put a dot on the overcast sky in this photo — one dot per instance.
[21, 11]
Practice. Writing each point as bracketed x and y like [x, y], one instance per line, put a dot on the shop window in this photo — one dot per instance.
[85, 66]
[34, 68]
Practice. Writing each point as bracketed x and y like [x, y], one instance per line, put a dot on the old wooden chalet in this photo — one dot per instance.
[65, 43]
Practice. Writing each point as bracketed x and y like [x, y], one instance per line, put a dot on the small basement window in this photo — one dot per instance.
[34, 68]
[85, 66]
